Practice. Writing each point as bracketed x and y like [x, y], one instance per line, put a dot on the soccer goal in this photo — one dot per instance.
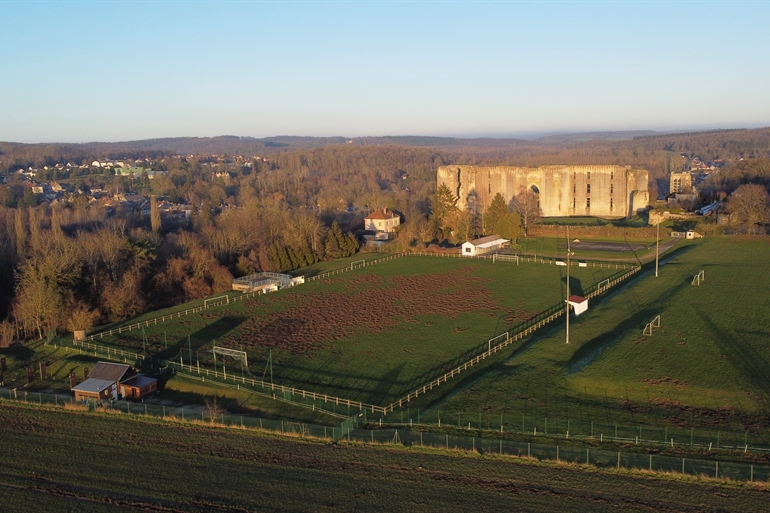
[224, 353]
[701, 276]
[233, 353]
[651, 325]
[603, 285]
[357, 263]
[502, 338]
[216, 300]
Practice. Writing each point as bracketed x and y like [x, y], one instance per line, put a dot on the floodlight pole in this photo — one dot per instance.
[657, 238]
[568, 255]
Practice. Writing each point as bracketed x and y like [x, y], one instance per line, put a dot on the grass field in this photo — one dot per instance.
[708, 364]
[373, 334]
[56, 461]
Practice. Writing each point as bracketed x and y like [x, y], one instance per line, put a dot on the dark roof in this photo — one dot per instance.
[139, 381]
[110, 371]
[576, 299]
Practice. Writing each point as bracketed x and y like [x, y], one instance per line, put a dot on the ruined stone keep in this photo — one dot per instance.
[601, 191]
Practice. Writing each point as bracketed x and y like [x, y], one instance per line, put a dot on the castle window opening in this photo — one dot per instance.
[588, 175]
[612, 175]
[588, 202]
[574, 203]
[574, 188]
[588, 188]
[612, 187]
[610, 203]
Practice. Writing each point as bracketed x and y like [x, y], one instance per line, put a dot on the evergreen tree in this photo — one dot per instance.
[496, 211]
[334, 242]
[509, 226]
[443, 204]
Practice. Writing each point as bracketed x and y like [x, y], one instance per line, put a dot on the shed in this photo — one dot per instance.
[95, 389]
[579, 304]
[138, 386]
[484, 245]
[115, 372]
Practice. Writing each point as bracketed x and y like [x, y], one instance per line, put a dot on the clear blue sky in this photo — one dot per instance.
[119, 70]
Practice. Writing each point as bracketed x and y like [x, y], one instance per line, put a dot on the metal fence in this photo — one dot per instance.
[348, 431]
[645, 435]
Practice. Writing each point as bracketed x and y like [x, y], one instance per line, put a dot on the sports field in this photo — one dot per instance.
[56, 461]
[375, 333]
[708, 365]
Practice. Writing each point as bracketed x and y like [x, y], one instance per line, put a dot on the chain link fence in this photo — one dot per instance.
[349, 430]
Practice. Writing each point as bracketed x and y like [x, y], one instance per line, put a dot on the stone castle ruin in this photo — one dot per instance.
[599, 191]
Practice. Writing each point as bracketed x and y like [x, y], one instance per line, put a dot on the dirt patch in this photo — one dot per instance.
[371, 304]
[667, 380]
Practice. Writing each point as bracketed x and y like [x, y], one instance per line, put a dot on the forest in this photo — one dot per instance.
[281, 204]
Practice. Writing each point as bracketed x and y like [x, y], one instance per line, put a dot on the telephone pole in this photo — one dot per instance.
[657, 238]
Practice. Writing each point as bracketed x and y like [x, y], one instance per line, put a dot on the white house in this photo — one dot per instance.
[484, 245]
[382, 220]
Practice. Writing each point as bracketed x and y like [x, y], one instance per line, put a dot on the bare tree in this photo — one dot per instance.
[155, 215]
[749, 206]
[213, 410]
[527, 205]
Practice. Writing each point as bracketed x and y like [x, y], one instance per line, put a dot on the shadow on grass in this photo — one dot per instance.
[742, 355]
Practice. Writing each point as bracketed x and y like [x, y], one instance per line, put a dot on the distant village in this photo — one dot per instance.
[54, 184]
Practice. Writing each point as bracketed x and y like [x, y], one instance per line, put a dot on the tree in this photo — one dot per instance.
[496, 210]
[155, 215]
[749, 206]
[38, 303]
[334, 242]
[527, 205]
[29, 199]
[509, 226]
[443, 204]
[81, 318]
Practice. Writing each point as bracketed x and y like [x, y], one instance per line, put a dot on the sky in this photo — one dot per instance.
[78, 71]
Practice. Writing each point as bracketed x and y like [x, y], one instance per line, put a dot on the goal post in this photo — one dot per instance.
[701, 276]
[219, 299]
[655, 323]
[233, 353]
[603, 285]
[494, 339]
[359, 263]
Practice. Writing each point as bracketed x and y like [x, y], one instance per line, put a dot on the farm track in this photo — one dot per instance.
[188, 469]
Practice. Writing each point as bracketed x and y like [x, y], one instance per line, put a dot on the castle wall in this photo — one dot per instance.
[601, 191]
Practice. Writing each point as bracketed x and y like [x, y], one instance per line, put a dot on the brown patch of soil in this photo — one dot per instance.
[666, 379]
[370, 305]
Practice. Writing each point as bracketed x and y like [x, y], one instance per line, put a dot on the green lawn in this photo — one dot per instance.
[60, 461]
[707, 366]
[375, 333]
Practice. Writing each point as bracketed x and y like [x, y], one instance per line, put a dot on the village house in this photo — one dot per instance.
[382, 220]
